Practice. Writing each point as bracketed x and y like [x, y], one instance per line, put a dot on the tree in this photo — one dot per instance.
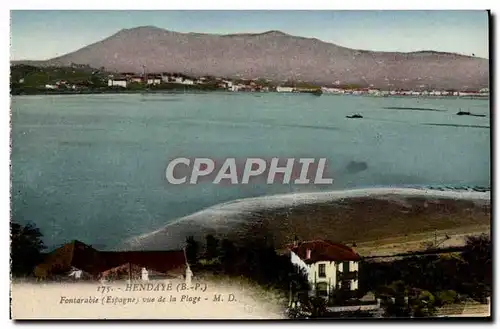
[315, 306]
[212, 247]
[477, 267]
[340, 296]
[446, 297]
[424, 305]
[192, 248]
[396, 304]
[228, 252]
[26, 247]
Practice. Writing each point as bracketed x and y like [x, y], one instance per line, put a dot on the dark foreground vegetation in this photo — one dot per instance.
[414, 286]
[256, 260]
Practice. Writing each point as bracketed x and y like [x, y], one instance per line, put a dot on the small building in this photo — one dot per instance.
[281, 89]
[329, 266]
[468, 93]
[327, 90]
[154, 80]
[227, 84]
[118, 82]
[166, 78]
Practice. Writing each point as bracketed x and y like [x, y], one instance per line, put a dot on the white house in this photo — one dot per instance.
[281, 89]
[114, 82]
[375, 92]
[154, 80]
[467, 93]
[76, 273]
[229, 84]
[332, 90]
[166, 78]
[329, 265]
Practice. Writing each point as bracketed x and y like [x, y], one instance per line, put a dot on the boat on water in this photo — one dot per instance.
[470, 114]
[318, 92]
[354, 116]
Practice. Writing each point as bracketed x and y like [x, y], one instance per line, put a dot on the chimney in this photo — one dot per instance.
[308, 253]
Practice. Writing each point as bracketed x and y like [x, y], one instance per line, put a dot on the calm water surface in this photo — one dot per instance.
[91, 167]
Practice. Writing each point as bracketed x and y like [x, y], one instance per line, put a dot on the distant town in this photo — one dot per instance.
[27, 79]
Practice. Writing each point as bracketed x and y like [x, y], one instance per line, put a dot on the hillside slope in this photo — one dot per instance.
[277, 56]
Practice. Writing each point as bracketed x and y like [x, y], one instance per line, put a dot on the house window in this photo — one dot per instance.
[322, 289]
[322, 270]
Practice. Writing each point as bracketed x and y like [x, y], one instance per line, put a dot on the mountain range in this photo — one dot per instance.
[276, 56]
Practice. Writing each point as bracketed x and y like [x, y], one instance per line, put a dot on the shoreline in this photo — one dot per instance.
[201, 91]
[362, 215]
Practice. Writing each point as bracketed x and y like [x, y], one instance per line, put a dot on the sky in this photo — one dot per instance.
[44, 34]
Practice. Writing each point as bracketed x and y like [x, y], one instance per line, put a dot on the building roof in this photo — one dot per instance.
[171, 261]
[324, 250]
[78, 255]
[123, 269]
[74, 254]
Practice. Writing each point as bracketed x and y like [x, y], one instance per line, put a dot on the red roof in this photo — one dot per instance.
[324, 250]
[79, 255]
[160, 261]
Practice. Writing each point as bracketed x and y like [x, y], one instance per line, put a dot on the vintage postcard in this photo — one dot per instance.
[250, 164]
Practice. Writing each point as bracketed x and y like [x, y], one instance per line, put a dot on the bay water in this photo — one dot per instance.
[92, 167]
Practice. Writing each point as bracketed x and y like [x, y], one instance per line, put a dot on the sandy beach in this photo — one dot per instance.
[376, 220]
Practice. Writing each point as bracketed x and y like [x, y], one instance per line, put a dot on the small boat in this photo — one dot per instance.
[354, 116]
[318, 92]
[471, 114]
